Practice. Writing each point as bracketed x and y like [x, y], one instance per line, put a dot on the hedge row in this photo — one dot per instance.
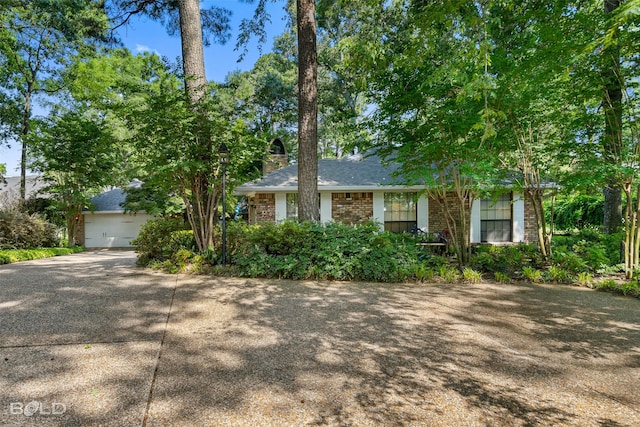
[8, 256]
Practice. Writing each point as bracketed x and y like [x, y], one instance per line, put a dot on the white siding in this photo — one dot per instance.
[518, 218]
[112, 230]
[423, 212]
[378, 208]
[281, 207]
[325, 207]
[475, 235]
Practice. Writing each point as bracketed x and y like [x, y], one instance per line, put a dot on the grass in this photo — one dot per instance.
[8, 256]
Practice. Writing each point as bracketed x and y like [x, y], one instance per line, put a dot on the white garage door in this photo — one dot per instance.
[112, 230]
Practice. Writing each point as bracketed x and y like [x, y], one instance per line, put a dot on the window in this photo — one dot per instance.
[292, 206]
[399, 212]
[495, 219]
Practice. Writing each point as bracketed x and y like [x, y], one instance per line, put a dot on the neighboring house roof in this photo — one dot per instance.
[355, 173]
[10, 189]
[33, 184]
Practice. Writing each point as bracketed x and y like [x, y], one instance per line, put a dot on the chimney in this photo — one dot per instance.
[276, 159]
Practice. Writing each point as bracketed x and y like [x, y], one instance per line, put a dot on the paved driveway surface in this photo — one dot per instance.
[90, 339]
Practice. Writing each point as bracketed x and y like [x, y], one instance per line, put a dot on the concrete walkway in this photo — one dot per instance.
[90, 339]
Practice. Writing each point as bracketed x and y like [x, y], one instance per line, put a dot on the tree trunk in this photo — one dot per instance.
[307, 112]
[201, 200]
[26, 117]
[192, 50]
[612, 107]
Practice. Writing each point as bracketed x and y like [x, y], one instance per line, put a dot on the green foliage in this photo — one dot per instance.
[577, 212]
[501, 277]
[423, 273]
[469, 275]
[334, 251]
[8, 256]
[19, 230]
[506, 259]
[630, 288]
[532, 274]
[587, 250]
[558, 274]
[161, 240]
[449, 274]
[585, 279]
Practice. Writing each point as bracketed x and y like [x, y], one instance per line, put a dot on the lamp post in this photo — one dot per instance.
[223, 156]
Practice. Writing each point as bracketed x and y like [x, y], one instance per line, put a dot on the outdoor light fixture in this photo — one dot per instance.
[223, 156]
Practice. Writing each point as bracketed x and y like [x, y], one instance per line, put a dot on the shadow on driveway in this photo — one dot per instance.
[118, 345]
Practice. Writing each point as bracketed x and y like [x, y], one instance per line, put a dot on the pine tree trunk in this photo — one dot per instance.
[201, 200]
[192, 50]
[307, 113]
[612, 107]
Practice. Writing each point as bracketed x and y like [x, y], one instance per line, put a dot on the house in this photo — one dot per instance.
[108, 226]
[360, 188]
[10, 189]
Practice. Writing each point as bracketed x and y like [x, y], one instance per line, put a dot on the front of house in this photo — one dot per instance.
[356, 189]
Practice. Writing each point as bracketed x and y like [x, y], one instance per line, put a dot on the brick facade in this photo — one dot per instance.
[262, 208]
[437, 220]
[351, 208]
[530, 227]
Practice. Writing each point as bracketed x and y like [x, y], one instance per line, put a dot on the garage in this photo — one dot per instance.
[112, 230]
[107, 225]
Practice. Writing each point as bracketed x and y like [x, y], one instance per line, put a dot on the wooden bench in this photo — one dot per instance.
[435, 239]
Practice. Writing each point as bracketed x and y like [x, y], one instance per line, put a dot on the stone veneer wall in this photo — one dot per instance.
[274, 162]
[530, 226]
[355, 209]
[264, 208]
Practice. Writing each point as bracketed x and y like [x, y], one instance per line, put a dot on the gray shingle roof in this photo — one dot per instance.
[33, 185]
[109, 201]
[355, 172]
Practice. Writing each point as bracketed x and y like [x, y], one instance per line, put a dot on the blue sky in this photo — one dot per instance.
[143, 34]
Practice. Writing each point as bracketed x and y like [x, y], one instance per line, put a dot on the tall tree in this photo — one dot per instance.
[186, 15]
[612, 108]
[307, 112]
[42, 36]
[75, 152]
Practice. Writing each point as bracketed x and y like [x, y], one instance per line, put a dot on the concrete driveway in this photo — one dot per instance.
[90, 339]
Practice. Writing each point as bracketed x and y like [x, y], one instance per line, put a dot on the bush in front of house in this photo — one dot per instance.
[20, 230]
[161, 240]
[8, 256]
[331, 251]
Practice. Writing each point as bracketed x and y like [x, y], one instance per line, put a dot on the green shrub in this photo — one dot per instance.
[19, 230]
[626, 288]
[159, 239]
[506, 259]
[595, 249]
[448, 274]
[332, 251]
[8, 256]
[471, 276]
[558, 274]
[501, 277]
[585, 279]
[532, 274]
[577, 212]
[423, 273]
